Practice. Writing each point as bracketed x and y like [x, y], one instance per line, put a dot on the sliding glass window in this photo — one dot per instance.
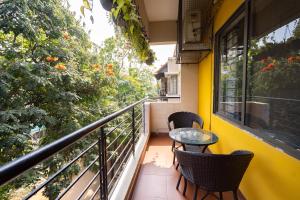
[260, 88]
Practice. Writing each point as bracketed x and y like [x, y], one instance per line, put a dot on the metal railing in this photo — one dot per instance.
[166, 98]
[114, 148]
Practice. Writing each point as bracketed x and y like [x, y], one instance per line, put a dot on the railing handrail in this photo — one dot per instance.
[18, 166]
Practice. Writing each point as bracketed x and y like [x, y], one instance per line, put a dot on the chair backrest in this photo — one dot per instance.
[214, 172]
[184, 120]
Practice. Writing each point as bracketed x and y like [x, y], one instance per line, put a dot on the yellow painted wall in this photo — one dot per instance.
[272, 174]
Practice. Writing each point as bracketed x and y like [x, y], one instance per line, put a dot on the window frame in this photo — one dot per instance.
[240, 14]
[244, 12]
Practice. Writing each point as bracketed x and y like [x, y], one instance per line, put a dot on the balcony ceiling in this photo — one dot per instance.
[161, 10]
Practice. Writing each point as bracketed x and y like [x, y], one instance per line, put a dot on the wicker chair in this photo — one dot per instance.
[183, 120]
[213, 172]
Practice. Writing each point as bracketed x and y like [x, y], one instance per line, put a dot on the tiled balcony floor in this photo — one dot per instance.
[157, 177]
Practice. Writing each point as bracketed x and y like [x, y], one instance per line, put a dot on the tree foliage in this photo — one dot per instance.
[52, 76]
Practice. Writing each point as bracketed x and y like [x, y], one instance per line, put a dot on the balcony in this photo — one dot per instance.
[126, 163]
[127, 155]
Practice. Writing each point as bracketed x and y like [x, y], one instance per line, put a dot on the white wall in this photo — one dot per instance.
[172, 66]
[159, 111]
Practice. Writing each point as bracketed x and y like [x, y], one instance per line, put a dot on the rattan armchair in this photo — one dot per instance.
[213, 172]
[183, 120]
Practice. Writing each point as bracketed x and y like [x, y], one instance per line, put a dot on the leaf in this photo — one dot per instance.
[126, 17]
[82, 10]
[86, 4]
[131, 29]
[92, 19]
[116, 12]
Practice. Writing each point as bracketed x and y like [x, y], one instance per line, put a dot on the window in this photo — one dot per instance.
[173, 85]
[258, 77]
[231, 70]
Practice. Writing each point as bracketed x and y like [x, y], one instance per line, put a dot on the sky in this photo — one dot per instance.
[102, 29]
[281, 34]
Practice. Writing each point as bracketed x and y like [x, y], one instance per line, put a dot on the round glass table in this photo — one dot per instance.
[193, 136]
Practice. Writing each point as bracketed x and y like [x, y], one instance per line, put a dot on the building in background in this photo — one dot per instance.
[168, 77]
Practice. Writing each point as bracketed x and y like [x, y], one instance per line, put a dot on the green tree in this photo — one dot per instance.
[51, 77]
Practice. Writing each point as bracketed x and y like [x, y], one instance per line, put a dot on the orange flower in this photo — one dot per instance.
[60, 67]
[66, 35]
[109, 66]
[110, 73]
[109, 70]
[51, 59]
[268, 67]
[271, 65]
[96, 66]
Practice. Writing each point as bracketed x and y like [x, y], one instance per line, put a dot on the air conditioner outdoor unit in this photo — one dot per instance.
[192, 27]
[194, 34]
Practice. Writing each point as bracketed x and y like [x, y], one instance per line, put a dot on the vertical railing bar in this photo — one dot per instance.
[102, 164]
[144, 120]
[133, 130]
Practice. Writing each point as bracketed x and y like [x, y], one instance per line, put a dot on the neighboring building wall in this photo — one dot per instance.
[173, 69]
[272, 174]
[172, 66]
[188, 101]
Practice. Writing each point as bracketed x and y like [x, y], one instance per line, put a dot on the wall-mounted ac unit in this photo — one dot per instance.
[192, 27]
[194, 30]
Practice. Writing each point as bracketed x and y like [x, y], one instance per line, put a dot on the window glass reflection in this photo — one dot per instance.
[273, 93]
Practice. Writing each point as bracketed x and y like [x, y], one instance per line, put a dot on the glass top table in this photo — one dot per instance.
[193, 136]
